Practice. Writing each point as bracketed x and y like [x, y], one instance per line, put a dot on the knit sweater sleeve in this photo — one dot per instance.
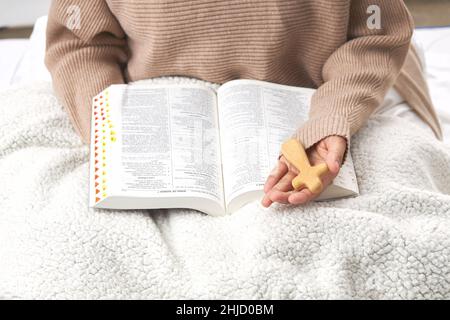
[357, 75]
[86, 49]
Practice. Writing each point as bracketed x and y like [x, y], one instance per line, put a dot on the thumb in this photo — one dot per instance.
[336, 147]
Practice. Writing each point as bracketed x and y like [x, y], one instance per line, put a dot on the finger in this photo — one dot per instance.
[281, 191]
[300, 197]
[285, 183]
[280, 196]
[275, 175]
[333, 166]
[266, 202]
[327, 179]
[305, 195]
[336, 147]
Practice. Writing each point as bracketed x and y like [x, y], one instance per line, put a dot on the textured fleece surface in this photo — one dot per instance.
[393, 241]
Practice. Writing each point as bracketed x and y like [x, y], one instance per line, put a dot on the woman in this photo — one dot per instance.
[327, 45]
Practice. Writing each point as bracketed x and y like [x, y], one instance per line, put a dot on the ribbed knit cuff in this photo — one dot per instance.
[316, 129]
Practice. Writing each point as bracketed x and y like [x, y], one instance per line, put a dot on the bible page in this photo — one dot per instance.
[168, 153]
[255, 119]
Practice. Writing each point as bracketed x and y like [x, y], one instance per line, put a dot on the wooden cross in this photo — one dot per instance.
[309, 176]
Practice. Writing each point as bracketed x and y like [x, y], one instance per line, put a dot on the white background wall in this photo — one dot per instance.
[17, 13]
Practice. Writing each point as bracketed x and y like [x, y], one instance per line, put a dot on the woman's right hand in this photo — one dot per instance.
[278, 187]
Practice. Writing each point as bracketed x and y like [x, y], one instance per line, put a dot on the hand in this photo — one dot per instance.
[278, 187]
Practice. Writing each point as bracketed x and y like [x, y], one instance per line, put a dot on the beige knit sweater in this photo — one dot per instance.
[310, 43]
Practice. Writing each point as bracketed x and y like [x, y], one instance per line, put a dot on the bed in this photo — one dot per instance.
[391, 242]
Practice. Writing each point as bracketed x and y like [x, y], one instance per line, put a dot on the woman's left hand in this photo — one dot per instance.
[278, 187]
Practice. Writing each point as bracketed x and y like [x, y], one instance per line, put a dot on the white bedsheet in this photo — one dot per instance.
[24, 58]
[436, 45]
[11, 54]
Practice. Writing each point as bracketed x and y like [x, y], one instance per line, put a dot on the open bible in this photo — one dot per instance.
[190, 146]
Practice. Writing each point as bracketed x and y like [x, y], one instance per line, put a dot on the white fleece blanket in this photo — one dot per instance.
[393, 241]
